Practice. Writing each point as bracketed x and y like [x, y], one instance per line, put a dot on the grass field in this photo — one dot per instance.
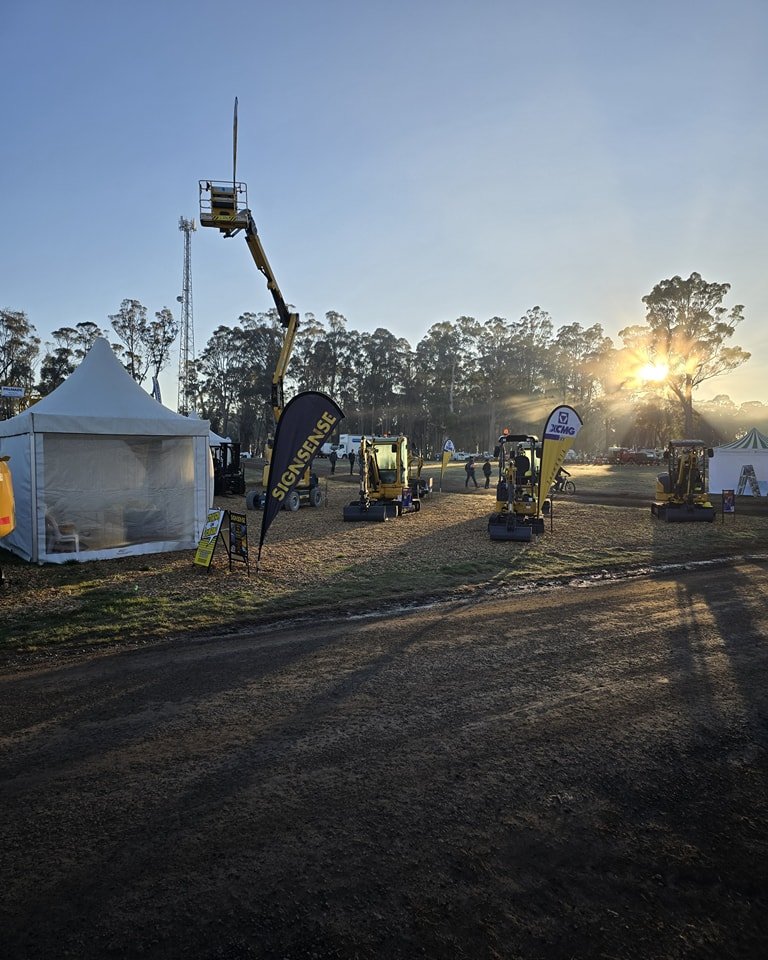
[314, 564]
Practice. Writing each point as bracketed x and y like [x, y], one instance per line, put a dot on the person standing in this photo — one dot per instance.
[487, 472]
[333, 457]
[351, 462]
[470, 471]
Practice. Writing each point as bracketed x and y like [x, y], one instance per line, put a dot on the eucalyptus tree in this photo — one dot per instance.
[86, 333]
[351, 366]
[59, 359]
[498, 387]
[685, 337]
[160, 336]
[437, 361]
[67, 347]
[310, 362]
[382, 362]
[19, 347]
[532, 352]
[580, 357]
[131, 326]
[219, 368]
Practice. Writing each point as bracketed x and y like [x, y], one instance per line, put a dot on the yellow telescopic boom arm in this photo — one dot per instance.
[224, 205]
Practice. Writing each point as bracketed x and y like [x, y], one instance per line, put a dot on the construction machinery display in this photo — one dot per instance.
[224, 205]
[682, 492]
[228, 473]
[517, 515]
[390, 481]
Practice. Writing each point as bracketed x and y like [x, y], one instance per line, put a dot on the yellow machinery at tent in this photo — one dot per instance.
[682, 493]
[7, 506]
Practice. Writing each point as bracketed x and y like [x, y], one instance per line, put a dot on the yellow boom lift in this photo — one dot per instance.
[224, 205]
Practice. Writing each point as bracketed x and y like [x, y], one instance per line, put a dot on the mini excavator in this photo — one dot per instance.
[224, 205]
[517, 515]
[390, 483]
[682, 493]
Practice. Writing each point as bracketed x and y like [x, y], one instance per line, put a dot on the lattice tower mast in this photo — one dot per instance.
[187, 331]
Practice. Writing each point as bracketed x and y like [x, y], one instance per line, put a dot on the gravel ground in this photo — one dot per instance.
[576, 773]
[573, 770]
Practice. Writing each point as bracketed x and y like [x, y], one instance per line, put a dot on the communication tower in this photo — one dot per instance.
[187, 332]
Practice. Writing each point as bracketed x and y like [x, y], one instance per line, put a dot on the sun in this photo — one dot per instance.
[653, 371]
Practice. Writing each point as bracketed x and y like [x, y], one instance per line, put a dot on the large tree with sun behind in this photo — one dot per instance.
[685, 339]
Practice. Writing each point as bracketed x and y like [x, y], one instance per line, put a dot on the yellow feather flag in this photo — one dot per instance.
[560, 430]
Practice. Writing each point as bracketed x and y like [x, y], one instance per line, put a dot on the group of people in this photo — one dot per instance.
[334, 459]
[470, 471]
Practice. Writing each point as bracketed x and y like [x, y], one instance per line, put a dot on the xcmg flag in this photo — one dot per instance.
[448, 449]
[560, 430]
[305, 425]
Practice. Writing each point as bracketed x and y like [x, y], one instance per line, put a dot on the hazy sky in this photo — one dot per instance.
[407, 162]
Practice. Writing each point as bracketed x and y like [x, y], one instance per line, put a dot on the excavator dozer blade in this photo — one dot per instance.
[503, 529]
[376, 512]
[685, 513]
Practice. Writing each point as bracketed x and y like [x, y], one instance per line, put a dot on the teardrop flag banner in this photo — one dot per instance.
[560, 430]
[305, 425]
[448, 449]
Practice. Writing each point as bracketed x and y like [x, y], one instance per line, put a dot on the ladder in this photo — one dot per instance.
[748, 477]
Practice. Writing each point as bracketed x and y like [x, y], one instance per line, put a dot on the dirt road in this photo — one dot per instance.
[582, 772]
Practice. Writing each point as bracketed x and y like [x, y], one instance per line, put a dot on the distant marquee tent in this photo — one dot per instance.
[741, 466]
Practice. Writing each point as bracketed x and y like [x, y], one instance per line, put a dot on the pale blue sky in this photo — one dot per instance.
[407, 162]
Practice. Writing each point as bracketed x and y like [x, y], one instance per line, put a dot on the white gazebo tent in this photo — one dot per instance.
[741, 466]
[100, 469]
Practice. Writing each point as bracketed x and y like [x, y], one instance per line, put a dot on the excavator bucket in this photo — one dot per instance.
[507, 527]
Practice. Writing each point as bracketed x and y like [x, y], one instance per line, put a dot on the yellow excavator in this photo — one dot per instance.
[682, 493]
[390, 482]
[516, 515]
[224, 205]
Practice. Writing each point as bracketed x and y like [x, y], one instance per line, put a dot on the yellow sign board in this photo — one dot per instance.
[208, 538]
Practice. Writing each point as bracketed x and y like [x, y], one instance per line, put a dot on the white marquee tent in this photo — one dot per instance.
[100, 469]
[734, 463]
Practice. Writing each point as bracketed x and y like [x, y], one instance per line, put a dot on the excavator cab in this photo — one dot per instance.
[682, 492]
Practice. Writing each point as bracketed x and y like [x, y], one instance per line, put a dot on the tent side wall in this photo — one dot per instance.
[101, 496]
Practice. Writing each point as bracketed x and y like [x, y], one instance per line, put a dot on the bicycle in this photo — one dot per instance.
[564, 485]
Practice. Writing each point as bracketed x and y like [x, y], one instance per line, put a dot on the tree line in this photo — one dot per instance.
[465, 379]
